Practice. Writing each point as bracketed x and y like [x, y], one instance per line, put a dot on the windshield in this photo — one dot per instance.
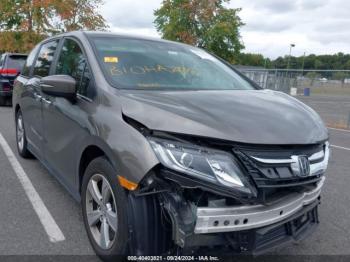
[145, 64]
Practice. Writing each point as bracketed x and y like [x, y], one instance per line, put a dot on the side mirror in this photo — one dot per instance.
[59, 86]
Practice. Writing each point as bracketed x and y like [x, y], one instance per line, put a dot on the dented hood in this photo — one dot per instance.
[254, 116]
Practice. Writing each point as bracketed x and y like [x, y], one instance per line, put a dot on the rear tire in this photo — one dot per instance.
[21, 138]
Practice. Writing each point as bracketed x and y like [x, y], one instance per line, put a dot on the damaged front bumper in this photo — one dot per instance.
[279, 204]
[236, 229]
[258, 240]
[228, 219]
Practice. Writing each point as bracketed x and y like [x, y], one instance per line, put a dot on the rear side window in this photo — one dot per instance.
[44, 60]
[72, 62]
[30, 61]
[16, 61]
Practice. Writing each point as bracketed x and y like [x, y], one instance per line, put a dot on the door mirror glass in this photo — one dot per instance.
[59, 86]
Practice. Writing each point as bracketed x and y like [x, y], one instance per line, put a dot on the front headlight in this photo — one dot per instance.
[214, 166]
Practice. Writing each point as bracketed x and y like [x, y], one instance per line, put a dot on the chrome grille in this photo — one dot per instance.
[282, 166]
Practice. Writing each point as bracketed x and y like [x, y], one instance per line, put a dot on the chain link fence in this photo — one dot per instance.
[327, 91]
[319, 81]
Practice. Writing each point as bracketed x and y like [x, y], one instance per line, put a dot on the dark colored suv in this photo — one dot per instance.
[169, 149]
[10, 67]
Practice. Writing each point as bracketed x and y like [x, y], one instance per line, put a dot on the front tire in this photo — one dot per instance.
[21, 138]
[104, 204]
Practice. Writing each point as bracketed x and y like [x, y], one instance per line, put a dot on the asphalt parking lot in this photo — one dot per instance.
[334, 109]
[23, 233]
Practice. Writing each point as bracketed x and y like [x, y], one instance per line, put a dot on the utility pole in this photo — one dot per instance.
[302, 67]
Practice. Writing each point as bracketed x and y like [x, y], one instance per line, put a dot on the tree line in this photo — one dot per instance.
[339, 61]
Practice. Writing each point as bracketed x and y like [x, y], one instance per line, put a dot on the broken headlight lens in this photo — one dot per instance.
[214, 166]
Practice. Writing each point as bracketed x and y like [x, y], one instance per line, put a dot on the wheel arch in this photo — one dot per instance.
[89, 153]
[17, 108]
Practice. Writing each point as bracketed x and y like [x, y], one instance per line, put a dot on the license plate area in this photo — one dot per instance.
[294, 229]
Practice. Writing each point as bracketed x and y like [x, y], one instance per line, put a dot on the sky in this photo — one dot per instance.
[314, 26]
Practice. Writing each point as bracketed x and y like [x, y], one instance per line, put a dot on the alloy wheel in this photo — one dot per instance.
[101, 211]
[20, 132]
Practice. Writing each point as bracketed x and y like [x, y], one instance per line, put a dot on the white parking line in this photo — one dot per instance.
[341, 130]
[340, 147]
[53, 231]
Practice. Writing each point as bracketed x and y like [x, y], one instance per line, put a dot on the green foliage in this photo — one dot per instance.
[249, 59]
[79, 14]
[17, 41]
[8, 20]
[338, 61]
[204, 23]
[23, 23]
[340, 76]
[312, 75]
[26, 15]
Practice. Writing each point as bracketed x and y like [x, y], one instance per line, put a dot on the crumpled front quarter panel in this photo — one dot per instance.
[133, 156]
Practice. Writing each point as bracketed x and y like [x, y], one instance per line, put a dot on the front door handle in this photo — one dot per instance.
[37, 97]
[46, 101]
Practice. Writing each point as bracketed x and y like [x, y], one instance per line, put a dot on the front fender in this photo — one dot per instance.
[126, 148]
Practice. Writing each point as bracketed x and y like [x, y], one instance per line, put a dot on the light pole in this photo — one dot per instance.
[290, 54]
[287, 72]
[303, 65]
